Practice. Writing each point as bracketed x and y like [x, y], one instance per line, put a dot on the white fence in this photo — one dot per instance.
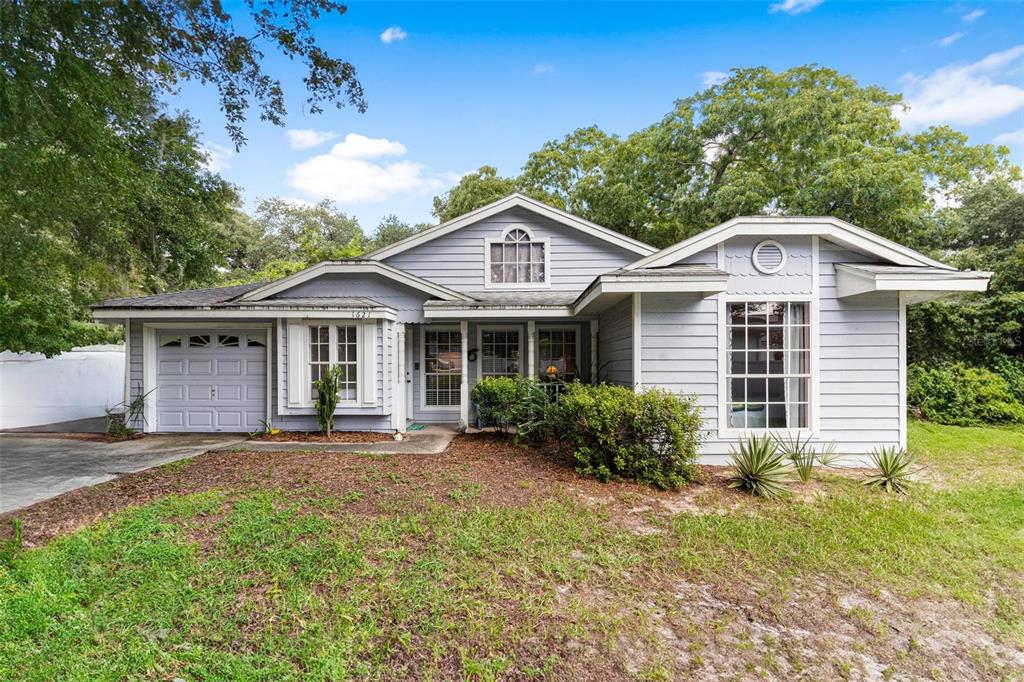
[35, 390]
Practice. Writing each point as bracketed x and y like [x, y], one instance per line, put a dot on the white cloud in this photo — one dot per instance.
[542, 68]
[709, 78]
[393, 33]
[349, 173]
[218, 157]
[963, 94]
[950, 39]
[307, 138]
[794, 7]
[972, 17]
[1014, 138]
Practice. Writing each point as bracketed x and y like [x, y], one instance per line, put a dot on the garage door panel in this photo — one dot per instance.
[229, 368]
[171, 368]
[211, 387]
[200, 367]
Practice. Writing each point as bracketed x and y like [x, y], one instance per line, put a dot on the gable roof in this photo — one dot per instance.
[834, 229]
[515, 201]
[358, 266]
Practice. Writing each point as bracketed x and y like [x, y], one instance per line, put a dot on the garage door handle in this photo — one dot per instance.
[213, 392]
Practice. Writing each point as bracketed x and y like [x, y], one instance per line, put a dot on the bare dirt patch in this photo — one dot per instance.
[317, 437]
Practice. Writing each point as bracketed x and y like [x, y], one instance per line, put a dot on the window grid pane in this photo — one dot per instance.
[319, 355]
[499, 352]
[517, 260]
[348, 383]
[768, 371]
[442, 368]
[557, 348]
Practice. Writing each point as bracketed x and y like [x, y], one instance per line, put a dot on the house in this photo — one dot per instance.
[787, 324]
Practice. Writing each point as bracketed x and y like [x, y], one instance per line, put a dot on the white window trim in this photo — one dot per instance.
[423, 368]
[757, 249]
[480, 346]
[578, 328]
[489, 241]
[814, 403]
[332, 355]
[150, 347]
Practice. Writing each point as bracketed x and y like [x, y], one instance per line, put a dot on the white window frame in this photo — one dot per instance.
[332, 353]
[578, 328]
[480, 347]
[545, 241]
[423, 407]
[813, 404]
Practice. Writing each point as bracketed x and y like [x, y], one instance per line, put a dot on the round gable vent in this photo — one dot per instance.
[769, 256]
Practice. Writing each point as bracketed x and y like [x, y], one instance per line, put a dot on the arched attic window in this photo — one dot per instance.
[517, 259]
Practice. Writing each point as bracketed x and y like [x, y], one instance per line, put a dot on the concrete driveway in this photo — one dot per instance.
[36, 467]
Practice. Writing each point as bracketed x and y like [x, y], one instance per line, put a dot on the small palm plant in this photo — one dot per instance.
[799, 452]
[327, 387]
[893, 468]
[759, 468]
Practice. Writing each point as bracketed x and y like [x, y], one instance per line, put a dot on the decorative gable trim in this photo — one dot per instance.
[355, 267]
[833, 229]
[509, 202]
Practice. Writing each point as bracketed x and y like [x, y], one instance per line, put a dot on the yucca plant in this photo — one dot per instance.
[828, 456]
[759, 468]
[799, 453]
[893, 468]
[327, 387]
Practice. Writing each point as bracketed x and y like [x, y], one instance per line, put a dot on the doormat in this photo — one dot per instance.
[415, 427]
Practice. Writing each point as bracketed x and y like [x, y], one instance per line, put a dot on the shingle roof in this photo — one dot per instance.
[672, 271]
[881, 269]
[488, 299]
[181, 299]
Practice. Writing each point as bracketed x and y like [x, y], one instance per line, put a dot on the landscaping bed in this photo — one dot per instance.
[491, 561]
[320, 437]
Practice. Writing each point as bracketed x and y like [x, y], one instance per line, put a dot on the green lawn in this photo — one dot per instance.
[426, 570]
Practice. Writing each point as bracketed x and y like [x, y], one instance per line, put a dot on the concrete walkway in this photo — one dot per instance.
[430, 441]
[36, 467]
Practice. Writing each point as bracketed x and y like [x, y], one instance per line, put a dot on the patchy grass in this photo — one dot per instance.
[493, 562]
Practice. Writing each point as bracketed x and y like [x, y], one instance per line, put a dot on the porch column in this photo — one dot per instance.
[398, 402]
[593, 351]
[464, 386]
[531, 349]
[637, 342]
[127, 360]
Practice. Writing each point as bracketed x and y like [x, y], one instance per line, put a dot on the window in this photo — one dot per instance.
[170, 340]
[335, 345]
[769, 365]
[347, 361]
[517, 259]
[199, 341]
[499, 352]
[556, 350]
[255, 341]
[227, 341]
[442, 362]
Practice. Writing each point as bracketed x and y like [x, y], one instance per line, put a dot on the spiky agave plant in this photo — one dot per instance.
[759, 468]
[893, 468]
[799, 453]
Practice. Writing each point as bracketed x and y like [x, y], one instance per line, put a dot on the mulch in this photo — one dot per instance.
[318, 437]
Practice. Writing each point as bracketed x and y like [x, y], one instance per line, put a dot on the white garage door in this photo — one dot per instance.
[211, 380]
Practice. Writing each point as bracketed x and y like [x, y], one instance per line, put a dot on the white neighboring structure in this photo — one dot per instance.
[36, 390]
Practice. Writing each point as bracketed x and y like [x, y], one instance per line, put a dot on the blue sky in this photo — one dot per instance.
[455, 86]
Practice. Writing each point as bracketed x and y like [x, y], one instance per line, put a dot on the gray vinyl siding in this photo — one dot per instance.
[457, 260]
[405, 301]
[615, 344]
[858, 356]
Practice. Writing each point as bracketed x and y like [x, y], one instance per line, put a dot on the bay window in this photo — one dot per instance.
[768, 378]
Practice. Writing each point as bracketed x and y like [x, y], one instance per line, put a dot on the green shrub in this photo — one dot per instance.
[893, 467]
[975, 330]
[1012, 369]
[760, 468]
[961, 395]
[652, 436]
[512, 402]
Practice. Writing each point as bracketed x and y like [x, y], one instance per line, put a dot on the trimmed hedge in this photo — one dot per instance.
[652, 436]
[961, 395]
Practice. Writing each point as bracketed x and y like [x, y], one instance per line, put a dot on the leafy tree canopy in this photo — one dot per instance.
[102, 190]
[807, 141]
[391, 230]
